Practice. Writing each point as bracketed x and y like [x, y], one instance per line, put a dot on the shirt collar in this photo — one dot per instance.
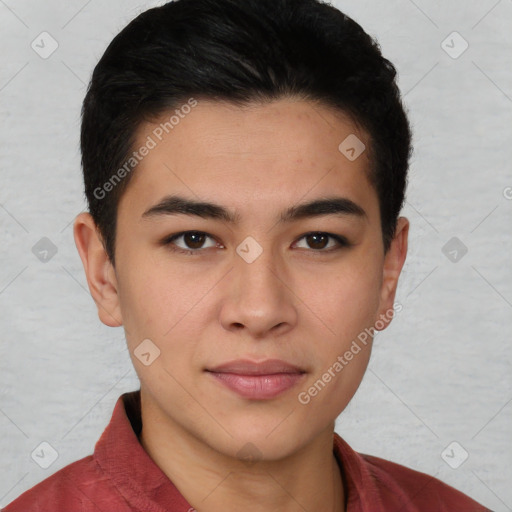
[146, 487]
[122, 457]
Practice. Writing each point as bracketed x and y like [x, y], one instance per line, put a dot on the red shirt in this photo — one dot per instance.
[121, 477]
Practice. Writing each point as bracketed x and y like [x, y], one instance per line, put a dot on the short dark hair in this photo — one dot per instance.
[240, 51]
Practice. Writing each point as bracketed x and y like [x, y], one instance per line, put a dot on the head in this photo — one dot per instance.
[243, 112]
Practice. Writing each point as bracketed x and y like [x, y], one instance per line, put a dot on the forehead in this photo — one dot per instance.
[259, 154]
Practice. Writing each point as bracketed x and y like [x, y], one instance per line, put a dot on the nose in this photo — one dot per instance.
[258, 298]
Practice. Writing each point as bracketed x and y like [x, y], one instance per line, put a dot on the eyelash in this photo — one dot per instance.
[168, 241]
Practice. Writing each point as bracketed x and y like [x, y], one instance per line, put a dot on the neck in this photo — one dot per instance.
[309, 479]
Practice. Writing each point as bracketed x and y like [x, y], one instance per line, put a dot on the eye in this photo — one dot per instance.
[317, 240]
[193, 242]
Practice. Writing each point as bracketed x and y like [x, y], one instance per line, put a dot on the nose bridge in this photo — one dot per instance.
[258, 298]
[257, 271]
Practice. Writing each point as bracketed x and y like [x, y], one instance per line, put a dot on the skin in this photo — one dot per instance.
[294, 302]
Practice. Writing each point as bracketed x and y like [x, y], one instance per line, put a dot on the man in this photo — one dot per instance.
[245, 165]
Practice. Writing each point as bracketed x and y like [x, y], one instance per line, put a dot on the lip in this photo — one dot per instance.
[258, 380]
[247, 367]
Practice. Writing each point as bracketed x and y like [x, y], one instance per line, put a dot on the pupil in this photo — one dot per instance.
[189, 239]
[316, 237]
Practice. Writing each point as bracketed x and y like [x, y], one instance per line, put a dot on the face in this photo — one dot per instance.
[287, 263]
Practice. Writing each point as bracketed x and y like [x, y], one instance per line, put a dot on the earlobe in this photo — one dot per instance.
[98, 270]
[393, 264]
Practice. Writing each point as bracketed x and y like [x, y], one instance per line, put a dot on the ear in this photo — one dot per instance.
[394, 260]
[99, 271]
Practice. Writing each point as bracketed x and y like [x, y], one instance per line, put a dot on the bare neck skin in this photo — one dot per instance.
[309, 480]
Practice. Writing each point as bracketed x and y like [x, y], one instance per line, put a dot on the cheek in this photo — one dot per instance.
[350, 303]
[346, 299]
[162, 305]
[155, 308]
[148, 299]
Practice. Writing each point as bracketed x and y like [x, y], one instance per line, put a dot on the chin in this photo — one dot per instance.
[271, 441]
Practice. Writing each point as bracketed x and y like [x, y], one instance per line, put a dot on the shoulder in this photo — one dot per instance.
[81, 485]
[379, 485]
[416, 491]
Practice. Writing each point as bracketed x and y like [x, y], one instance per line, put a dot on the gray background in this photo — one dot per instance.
[440, 373]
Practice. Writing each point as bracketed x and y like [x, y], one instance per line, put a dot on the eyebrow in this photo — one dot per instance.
[176, 205]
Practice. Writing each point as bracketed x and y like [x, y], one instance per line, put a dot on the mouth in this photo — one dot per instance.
[258, 381]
